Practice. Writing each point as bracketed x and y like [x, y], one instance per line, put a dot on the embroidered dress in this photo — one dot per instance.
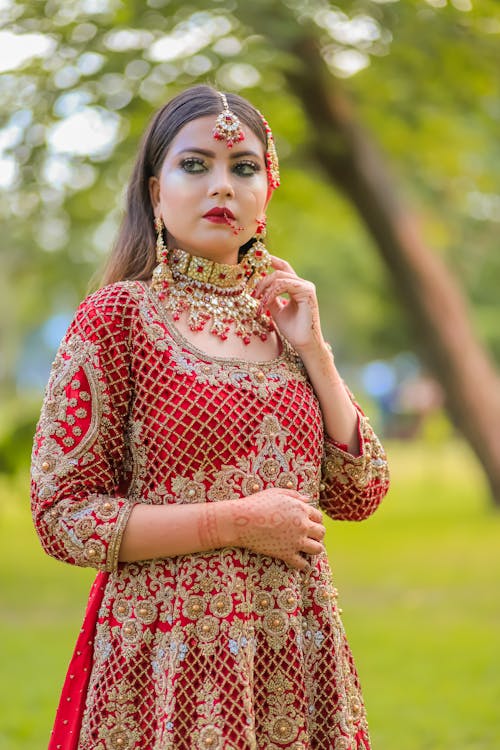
[222, 650]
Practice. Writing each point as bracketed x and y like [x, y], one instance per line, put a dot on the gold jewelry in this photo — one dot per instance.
[202, 269]
[272, 163]
[228, 128]
[162, 276]
[257, 261]
[227, 125]
[216, 292]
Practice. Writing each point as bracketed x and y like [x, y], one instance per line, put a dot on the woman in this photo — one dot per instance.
[194, 425]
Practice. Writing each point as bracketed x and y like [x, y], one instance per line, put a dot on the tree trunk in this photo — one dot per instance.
[428, 292]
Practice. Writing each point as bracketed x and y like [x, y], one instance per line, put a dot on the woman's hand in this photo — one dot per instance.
[298, 321]
[279, 523]
[298, 318]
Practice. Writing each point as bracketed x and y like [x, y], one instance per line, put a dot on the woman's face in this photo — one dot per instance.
[200, 174]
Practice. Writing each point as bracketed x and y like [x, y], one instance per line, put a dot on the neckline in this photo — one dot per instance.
[185, 343]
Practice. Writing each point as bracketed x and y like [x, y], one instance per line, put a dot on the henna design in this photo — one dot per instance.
[279, 523]
[208, 531]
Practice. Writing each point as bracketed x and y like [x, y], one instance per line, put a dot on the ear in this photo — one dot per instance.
[154, 193]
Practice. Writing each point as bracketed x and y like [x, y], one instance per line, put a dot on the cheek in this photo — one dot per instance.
[257, 194]
[176, 187]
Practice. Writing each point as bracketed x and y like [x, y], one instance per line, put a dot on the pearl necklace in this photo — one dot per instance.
[215, 292]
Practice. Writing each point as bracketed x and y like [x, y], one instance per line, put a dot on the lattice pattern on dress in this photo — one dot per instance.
[354, 485]
[77, 465]
[261, 643]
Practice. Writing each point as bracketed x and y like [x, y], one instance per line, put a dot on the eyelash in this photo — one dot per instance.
[187, 163]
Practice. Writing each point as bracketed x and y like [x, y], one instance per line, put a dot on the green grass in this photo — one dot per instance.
[419, 586]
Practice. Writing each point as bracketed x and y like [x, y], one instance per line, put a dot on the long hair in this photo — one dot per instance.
[133, 255]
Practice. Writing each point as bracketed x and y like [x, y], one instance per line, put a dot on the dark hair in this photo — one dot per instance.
[133, 255]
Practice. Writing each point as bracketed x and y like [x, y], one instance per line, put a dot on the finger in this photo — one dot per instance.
[312, 547]
[281, 265]
[315, 514]
[264, 284]
[298, 290]
[292, 493]
[298, 562]
[306, 499]
[317, 531]
[285, 281]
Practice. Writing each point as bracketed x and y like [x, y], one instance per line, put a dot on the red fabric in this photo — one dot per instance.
[66, 731]
[227, 649]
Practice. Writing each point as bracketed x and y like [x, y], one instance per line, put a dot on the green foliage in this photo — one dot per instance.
[416, 584]
[427, 92]
[17, 426]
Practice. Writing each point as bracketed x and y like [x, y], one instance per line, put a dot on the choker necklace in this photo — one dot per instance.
[217, 292]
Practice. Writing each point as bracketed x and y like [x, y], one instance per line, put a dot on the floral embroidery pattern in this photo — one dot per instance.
[225, 649]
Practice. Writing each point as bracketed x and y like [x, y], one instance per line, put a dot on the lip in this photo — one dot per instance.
[219, 215]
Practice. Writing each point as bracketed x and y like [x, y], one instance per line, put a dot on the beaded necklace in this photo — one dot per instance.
[215, 292]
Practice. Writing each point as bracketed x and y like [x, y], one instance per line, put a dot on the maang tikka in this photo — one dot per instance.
[227, 125]
[211, 291]
[228, 128]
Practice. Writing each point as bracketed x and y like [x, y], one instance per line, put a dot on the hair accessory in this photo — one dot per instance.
[227, 125]
[162, 276]
[272, 163]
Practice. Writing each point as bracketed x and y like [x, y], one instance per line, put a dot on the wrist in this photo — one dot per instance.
[227, 527]
[319, 357]
[316, 347]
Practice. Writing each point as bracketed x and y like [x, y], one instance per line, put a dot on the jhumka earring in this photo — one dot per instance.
[162, 276]
[257, 260]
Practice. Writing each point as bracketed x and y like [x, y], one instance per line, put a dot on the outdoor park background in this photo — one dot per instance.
[386, 118]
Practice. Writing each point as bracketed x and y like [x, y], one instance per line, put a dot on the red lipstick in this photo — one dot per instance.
[219, 215]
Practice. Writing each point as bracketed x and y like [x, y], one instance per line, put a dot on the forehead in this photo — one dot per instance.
[198, 134]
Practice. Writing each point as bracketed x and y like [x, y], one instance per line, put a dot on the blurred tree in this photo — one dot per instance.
[421, 76]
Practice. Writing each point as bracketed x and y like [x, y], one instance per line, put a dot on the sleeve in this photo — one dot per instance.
[352, 487]
[79, 447]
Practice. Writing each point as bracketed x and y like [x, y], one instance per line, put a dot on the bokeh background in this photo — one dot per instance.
[386, 116]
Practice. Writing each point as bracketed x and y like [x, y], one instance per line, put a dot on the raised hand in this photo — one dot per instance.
[298, 318]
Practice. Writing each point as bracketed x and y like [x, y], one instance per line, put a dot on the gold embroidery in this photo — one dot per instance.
[353, 486]
[83, 528]
[263, 643]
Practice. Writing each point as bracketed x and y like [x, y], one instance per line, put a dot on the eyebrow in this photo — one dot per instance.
[205, 152]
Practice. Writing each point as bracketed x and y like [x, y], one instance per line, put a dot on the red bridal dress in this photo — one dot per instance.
[220, 650]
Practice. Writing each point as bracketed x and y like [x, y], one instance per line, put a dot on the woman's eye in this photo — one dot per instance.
[246, 168]
[193, 165]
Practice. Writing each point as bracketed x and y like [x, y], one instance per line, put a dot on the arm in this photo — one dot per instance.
[275, 522]
[78, 452]
[78, 467]
[355, 473]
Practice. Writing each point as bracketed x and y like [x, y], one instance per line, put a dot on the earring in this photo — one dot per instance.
[261, 227]
[162, 276]
[257, 260]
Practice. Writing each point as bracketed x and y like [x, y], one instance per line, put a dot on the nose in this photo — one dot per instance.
[221, 184]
